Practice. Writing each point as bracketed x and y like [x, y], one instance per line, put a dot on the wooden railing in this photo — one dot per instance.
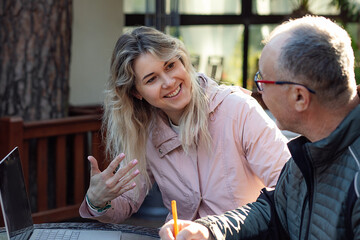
[54, 160]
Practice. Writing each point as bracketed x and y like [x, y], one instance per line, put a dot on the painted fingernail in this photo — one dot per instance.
[135, 161]
[136, 172]
[121, 155]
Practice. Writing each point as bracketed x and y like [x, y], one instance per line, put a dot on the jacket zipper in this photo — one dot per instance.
[310, 212]
[302, 213]
[308, 198]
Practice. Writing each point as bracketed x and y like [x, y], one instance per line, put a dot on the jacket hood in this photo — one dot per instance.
[217, 93]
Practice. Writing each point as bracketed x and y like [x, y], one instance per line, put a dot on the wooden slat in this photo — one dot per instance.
[61, 176]
[11, 130]
[56, 215]
[25, 163]
[14, 132]
[95, 144]
[79, 186]
[98, 150]
[63, 126]
[42, 175]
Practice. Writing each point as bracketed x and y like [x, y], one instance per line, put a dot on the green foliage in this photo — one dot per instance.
[350, 18]
[355, 45]
[350, 9]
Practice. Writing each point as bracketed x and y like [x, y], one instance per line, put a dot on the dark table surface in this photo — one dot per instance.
[128, 231]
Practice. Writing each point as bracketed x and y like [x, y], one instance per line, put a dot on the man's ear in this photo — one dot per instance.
[300, 98]
[136, 94]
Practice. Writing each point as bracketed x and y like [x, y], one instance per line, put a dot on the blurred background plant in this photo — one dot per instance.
[350, 12]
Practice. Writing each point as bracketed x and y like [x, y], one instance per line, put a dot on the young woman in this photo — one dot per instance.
[211, 148]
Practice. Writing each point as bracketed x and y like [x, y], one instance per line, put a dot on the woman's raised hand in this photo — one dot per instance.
[109, 184]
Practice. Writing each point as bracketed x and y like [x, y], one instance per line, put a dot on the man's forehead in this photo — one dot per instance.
[268, 58]
[272, 49]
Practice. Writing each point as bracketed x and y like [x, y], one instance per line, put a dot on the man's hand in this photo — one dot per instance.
[187, 231]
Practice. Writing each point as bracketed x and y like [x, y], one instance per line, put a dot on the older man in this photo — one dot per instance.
[307, 81]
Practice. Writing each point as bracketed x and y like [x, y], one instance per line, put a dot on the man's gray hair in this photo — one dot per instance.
[318, 53]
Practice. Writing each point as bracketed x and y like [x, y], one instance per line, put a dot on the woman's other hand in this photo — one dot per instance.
[110, 183]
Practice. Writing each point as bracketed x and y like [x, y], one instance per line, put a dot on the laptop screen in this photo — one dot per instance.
[14, 202]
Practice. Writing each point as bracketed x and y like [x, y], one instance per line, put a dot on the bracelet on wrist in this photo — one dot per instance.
[96, 208]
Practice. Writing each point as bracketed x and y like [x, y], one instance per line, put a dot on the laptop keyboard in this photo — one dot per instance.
[56, 234]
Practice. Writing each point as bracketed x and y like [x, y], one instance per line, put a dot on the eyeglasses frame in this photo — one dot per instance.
[257, 81]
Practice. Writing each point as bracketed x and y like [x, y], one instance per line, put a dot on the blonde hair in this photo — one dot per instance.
[127, 120]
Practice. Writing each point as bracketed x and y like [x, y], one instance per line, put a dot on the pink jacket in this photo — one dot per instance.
[248, 153]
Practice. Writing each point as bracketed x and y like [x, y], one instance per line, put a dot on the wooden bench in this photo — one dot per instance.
[54, 160]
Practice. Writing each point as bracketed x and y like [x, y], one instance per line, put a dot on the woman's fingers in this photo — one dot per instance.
[125, 188]
[117, 179]
[110, 183]
[114, 165]
[94, 167]
[127, 178]
[125, 183]
[121, 172]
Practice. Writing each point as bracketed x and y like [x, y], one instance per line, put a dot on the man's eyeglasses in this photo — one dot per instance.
[259, 83]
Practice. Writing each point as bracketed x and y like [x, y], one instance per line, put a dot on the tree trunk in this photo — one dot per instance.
[35, 41]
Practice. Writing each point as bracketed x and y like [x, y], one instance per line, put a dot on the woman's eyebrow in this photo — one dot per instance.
[167, 62]
[147, 75]
[173, 59]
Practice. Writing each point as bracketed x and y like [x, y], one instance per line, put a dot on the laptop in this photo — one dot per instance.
[17, 213]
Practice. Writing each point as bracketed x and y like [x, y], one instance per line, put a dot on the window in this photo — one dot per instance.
[286, 7]
[220, 34]
[216, 50]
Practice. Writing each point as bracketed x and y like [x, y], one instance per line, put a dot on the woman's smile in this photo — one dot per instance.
[174, 93]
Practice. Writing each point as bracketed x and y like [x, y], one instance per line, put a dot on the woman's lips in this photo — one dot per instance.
[174, 93]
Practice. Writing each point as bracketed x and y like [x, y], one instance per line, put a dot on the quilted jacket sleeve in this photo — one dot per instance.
[246, 222]
[355, 219]
[256, 220]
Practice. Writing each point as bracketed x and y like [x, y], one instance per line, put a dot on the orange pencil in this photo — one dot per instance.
[174, 213]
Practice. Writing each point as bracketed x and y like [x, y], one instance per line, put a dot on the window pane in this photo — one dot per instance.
[139, 6]
[217, 53]
[256, 34]
[322, 7]
[210, 7]
[186, 6]
[265, 7]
